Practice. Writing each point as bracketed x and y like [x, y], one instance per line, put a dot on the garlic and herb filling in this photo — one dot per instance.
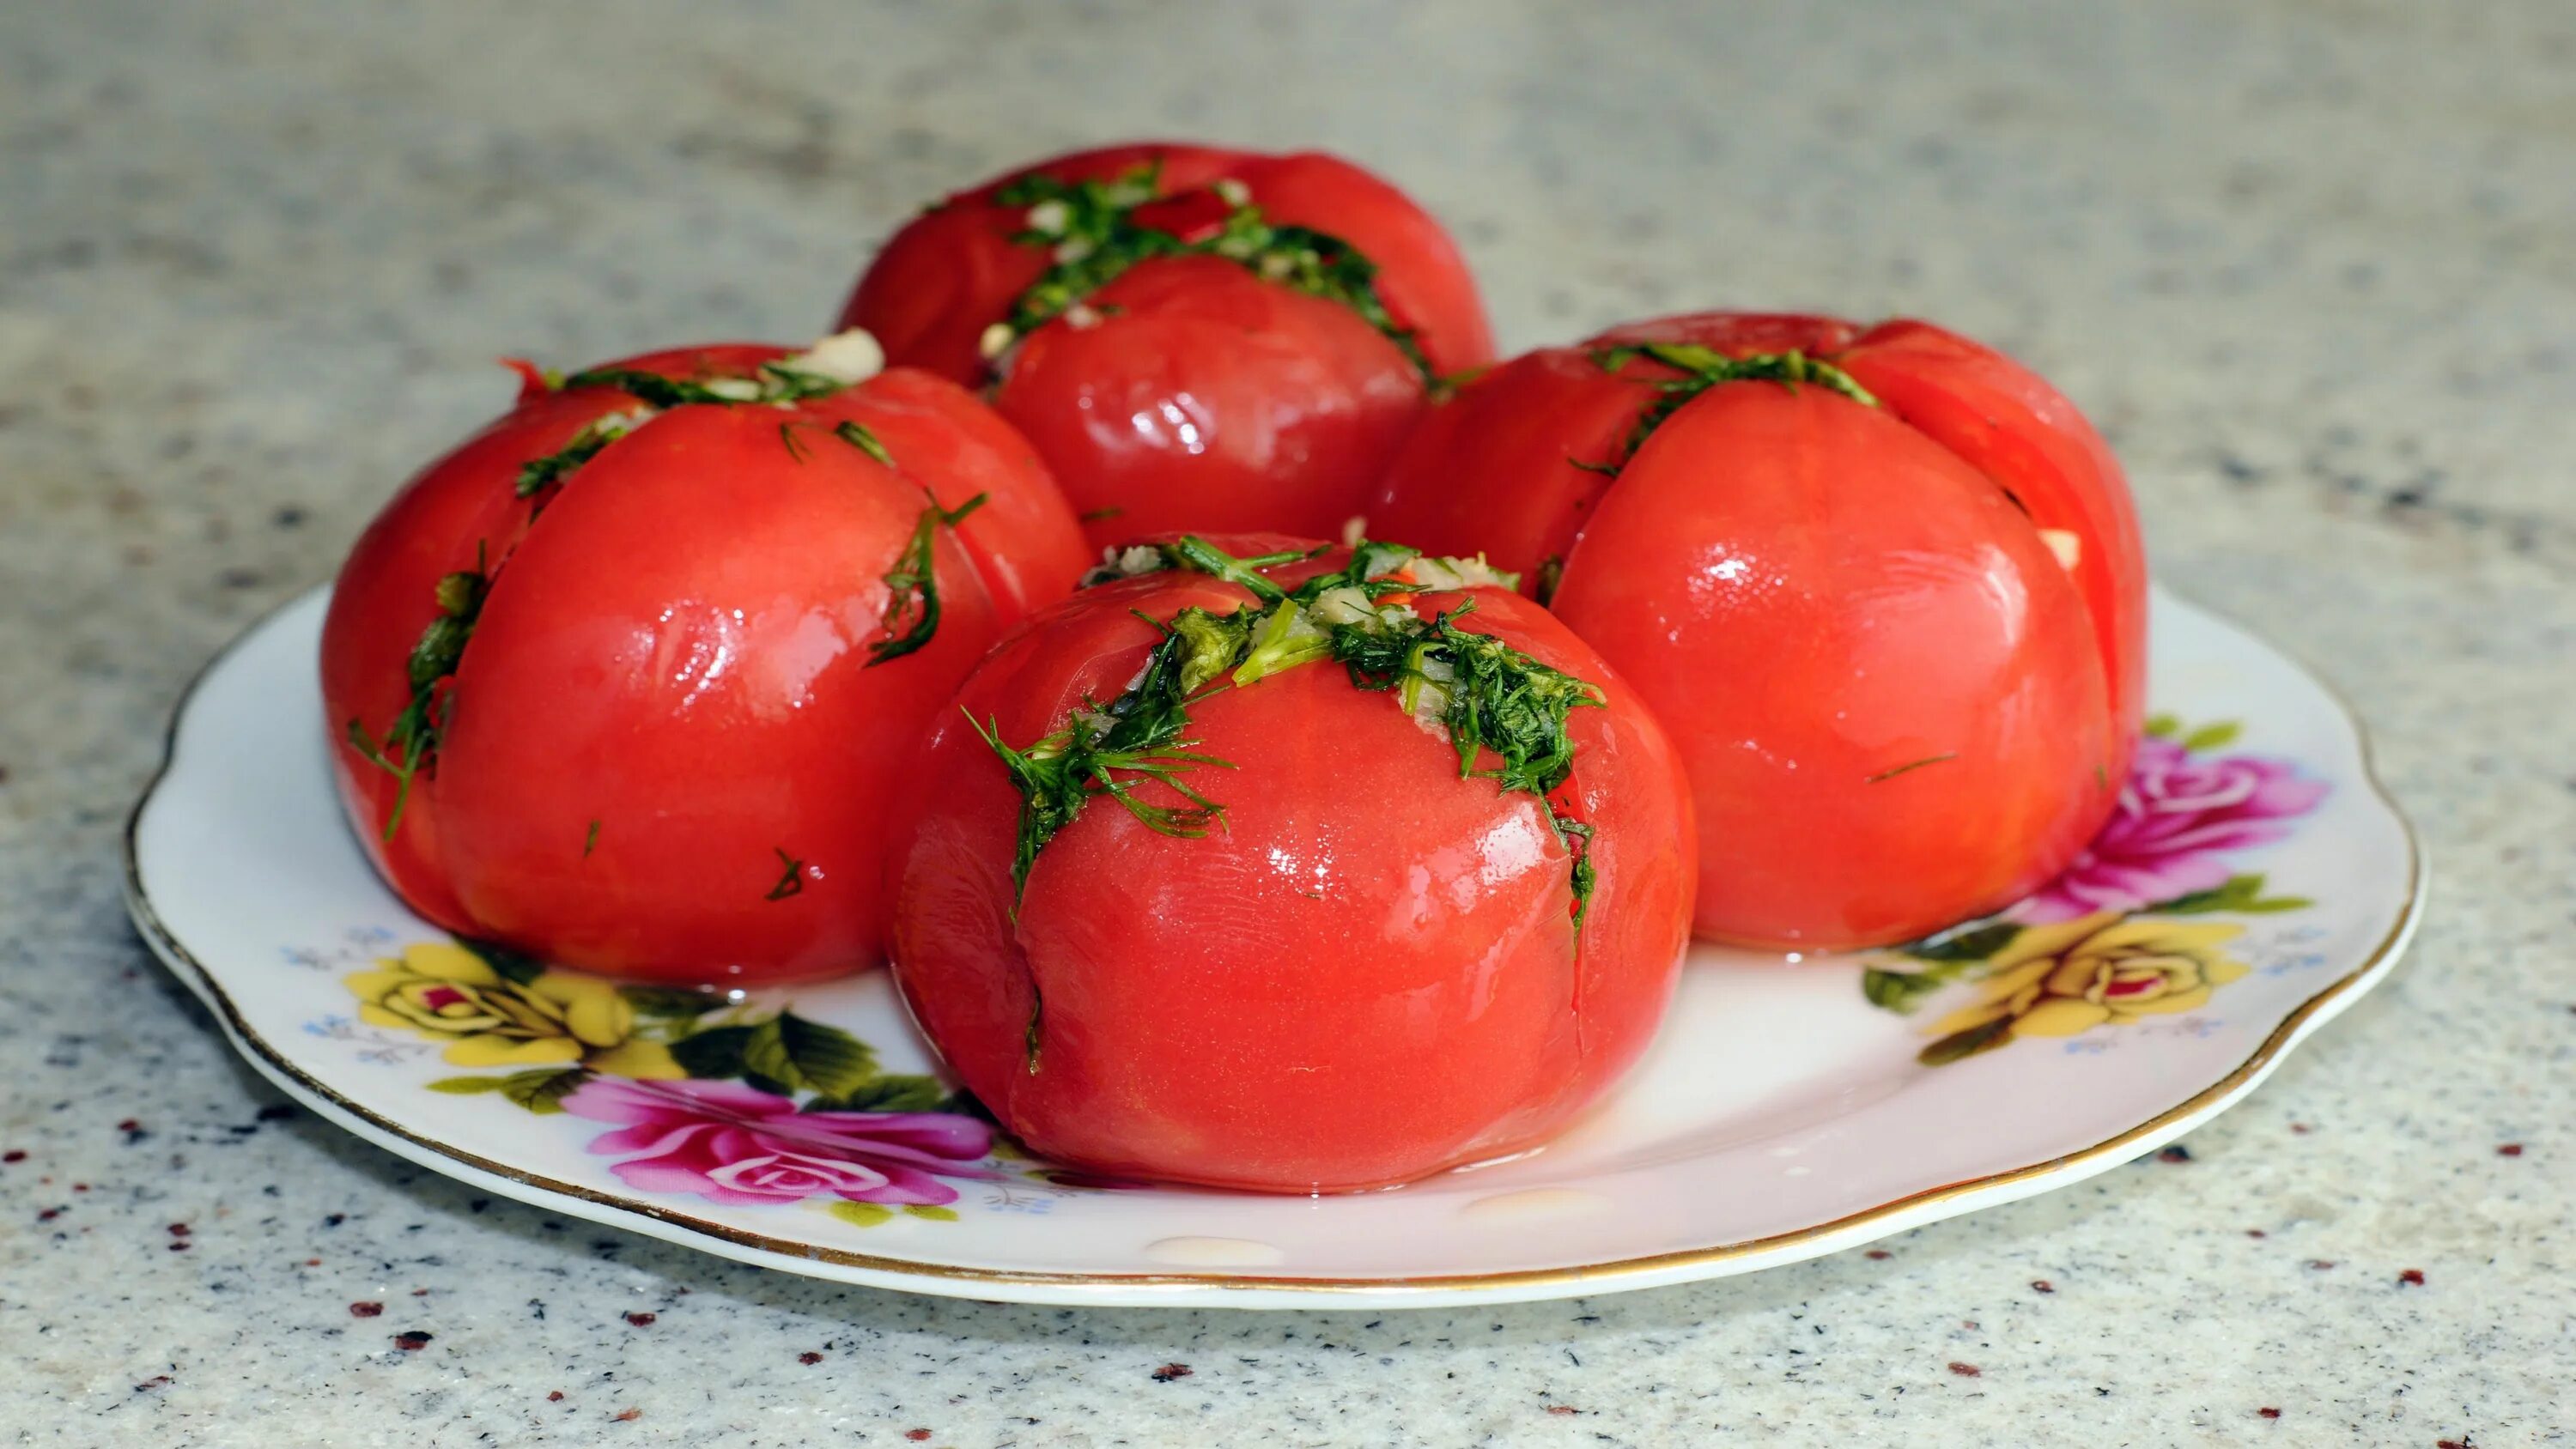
[1091, 235]
[1488, 698]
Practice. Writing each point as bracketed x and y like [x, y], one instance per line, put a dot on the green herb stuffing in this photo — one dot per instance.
[412, 738]
[1497, 700]
[1138, 736]
[1703, 368]
[912, 612]
[1091, 229]
[771, 382]
[1491, 698]
[538, 474]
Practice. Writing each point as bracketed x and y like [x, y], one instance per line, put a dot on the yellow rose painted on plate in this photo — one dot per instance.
[442, 990]
[2072, 976]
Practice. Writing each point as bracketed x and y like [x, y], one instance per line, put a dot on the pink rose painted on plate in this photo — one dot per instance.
[730, 1143]
[2178, 813]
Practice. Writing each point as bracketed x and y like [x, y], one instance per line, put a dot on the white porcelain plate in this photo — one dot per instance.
[2256, 881]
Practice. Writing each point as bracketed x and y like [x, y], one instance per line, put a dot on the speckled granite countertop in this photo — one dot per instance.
[2312, 265]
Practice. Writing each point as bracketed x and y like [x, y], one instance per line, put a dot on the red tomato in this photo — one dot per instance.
[1361, 968]
[1176, 373]
[1900, 642]
[653, 700]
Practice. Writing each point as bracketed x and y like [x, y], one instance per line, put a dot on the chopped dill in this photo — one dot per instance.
[771, 382]
[412, 738]
[791, 879]
[912, 608]
[857, 436]
[538, 474]
[1491, 698]
[1091, 231]
[1703, 368]
[1138, 736]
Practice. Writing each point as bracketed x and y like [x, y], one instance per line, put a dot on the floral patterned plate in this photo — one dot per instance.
[2255, 882]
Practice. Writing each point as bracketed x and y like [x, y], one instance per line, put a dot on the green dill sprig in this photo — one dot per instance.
[412, 738]
[1109, 748]
[1194, 552]
[1093, 236]
[1703, 368]
[538, 474]
[912, 612]
[791, 878]
[771, 382]
[1492, 699]
[857, 436]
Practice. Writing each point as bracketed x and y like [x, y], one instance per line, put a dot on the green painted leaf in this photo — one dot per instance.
[714, 1054]
[1977, 943]
[465, 1086]
[860, 1214]
[670, 1001]
[2239, 893]
[2273, 904]
[1897, 990]
[1963, 1044]
[2213, 736]
[934, 1214]
[800, 1053]
[2163, 726]
[542, 1091]
[895, 1093]
[513, 966]
[771, 1085]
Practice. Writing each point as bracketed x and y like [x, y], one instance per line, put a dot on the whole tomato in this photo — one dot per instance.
[1883, 587]
[625, 681]
[1194, 338]
[1304, 872]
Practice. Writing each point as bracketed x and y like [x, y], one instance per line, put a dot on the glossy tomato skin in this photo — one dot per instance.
[1369, 973]
[1215, 401]
[1900, 704]
[2006, 421]
[1193, 394]
[664, 752]
[1867, 666]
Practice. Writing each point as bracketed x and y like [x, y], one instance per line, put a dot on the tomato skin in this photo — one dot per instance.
[1201, 397]
[666, 694]
[953, 270]
[1810, 592]
[1836, 625]
[2008, 423]
[1367, 974]
[1513, 466]
[1213, 400]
